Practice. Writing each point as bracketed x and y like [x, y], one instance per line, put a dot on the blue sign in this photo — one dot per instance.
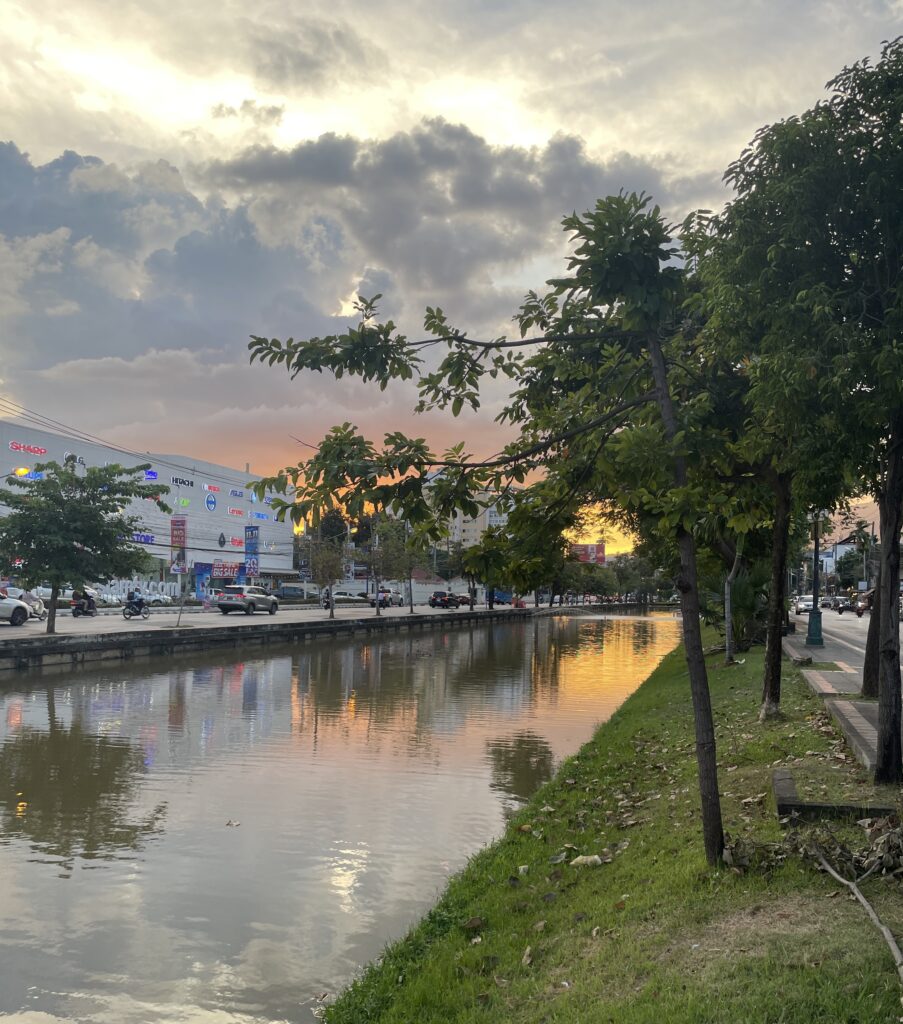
[34, 475]
[252, 496]
[252, 543]
[150, 474]
[210, 502]
[235, 493]
[268, 501]
[143, 538]
[259, 515]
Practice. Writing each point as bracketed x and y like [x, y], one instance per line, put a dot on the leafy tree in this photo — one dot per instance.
[849, 569]
[327, 564]
[401, 552]
[595, 404]
[333, 525]
[816, 232]
[70, 525]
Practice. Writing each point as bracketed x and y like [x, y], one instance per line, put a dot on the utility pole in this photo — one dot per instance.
[814, 636]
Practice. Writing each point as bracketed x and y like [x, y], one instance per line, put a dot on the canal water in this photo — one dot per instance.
[210, 839]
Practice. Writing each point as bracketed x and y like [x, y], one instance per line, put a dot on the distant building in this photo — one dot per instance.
[592, 553]
[466, 531]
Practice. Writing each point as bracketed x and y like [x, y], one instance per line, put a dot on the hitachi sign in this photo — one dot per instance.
[180, 481]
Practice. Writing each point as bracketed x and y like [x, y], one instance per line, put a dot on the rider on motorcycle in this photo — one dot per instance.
[136, 600]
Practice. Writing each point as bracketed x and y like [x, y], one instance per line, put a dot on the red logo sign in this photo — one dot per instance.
[236, 542]
[236, 512]
[211, 487]
[32, 449]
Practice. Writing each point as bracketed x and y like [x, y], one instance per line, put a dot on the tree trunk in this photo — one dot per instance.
[688, 585]
[331, 604]
[870, 666]
[410, 592]
[889, 764]
[376, 580]
[51, 608]
[774, 628]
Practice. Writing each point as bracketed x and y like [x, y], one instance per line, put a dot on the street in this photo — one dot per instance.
[112, 621]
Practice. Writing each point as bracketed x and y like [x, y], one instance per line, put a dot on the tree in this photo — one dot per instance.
[327, 564]
[595, 398]
[333, 525]
[816, 232]
[402, 552]
[70, 525]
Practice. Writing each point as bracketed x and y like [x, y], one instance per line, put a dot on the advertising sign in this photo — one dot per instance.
[210, 502]
[178, 542]
[252, 567]
[252, 540]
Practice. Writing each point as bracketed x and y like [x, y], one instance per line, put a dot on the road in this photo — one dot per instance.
[112, 621]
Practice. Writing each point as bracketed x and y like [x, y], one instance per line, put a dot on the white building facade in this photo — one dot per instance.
[215, 524]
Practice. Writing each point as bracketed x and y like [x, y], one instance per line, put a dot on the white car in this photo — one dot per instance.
[247, 599]
[345, 597]
[13, 611]
[804, 604]
[157, 599]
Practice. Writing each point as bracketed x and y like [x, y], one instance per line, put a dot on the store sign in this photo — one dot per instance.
[184, 502]
[32, 449]
[181, 481]
[236, 512]
[79, 459]
[211, 487]
[236, 542]
[143, 538]
[258, 515]
[268, 501]
[150, 474]
[178, 542]
[210, 502]
[235, 493]
[222, 570]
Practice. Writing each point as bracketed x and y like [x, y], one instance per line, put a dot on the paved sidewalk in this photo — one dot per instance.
[857, 719]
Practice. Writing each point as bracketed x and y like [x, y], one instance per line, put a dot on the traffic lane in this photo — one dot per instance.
[849, 629]
[167, 619]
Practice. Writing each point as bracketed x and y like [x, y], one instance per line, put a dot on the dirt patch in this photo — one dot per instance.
[801, 923]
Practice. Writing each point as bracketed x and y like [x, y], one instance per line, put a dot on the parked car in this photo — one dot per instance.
[443, 599]
[158, 599]
[804, 603]
[237, 598]
[387, 598]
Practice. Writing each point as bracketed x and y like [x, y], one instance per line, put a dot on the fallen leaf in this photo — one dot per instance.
[527, 958]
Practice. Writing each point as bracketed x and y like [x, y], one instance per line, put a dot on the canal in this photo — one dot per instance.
[210, 839]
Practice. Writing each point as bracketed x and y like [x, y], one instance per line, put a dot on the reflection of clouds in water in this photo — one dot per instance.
[363, 774]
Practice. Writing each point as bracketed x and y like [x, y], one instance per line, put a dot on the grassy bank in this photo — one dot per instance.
[651, 933]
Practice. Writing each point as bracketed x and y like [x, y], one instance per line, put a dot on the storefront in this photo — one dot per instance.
[217, 531]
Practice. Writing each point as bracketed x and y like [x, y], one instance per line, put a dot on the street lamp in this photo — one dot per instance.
[814, 636]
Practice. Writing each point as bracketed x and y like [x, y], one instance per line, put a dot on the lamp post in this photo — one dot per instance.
[813, 631]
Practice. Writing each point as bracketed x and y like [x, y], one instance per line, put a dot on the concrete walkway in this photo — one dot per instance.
[844, 646]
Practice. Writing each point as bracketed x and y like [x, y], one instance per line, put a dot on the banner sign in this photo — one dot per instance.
[225, 570]
[252, 540]
[178, 542]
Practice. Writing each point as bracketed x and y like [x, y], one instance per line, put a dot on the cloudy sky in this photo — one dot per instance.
[175, 177]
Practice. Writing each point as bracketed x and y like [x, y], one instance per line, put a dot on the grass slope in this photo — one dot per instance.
[651, 934]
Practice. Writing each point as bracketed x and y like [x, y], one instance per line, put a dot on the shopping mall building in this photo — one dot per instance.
[215, 523]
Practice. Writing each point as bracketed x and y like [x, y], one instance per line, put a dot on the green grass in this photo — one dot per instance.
[655, 935]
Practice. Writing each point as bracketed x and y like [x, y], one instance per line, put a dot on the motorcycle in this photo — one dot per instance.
[36, 609]
[85, 606]
[131, 609]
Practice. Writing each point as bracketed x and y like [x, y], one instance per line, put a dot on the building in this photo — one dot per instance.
[205, 535]
[466, 531]
[591, 553]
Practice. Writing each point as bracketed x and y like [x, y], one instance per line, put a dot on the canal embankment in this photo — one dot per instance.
[155, 638]
[597, 904]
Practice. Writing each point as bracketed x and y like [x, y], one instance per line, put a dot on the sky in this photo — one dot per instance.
[175, 178]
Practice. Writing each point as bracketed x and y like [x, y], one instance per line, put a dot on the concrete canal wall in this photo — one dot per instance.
[62, 652]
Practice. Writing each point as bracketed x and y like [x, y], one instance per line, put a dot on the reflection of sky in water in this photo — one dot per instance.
[355, 776]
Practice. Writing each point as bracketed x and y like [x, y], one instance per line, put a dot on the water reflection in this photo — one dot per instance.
[315, 801]
[67, 792]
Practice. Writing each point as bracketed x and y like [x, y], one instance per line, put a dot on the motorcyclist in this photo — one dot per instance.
[136, 600]
[34, 603]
